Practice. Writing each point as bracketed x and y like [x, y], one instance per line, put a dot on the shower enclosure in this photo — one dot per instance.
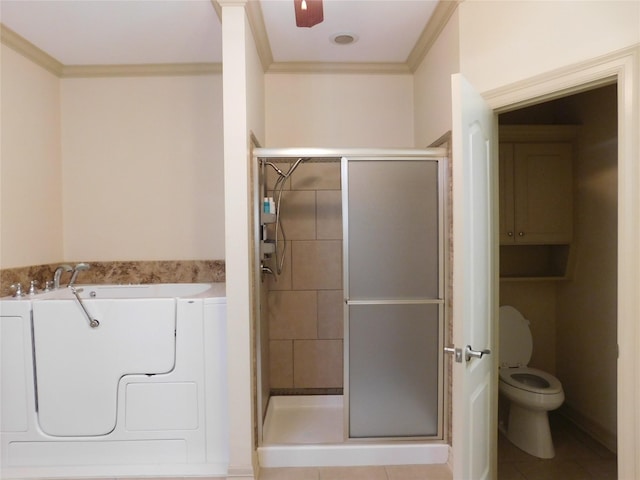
[389, 407]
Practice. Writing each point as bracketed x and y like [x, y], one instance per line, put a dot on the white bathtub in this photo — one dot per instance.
[144, 393]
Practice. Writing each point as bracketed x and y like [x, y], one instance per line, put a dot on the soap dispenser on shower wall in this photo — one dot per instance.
[267, 216]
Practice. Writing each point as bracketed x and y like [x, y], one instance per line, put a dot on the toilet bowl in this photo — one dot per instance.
[531, 392]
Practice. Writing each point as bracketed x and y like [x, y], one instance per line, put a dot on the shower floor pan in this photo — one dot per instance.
[307, 431]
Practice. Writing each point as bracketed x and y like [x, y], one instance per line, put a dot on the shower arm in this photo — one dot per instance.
[279, 186]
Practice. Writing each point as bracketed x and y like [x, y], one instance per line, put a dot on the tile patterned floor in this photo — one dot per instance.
[399, 472]
[578, 457]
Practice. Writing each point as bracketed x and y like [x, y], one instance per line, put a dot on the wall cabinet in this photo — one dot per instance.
[536, 200]
[536, 193]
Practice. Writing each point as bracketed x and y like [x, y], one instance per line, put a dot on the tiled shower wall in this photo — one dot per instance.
[306, 302]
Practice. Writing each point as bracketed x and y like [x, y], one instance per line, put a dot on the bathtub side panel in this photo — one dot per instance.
[216, 384]
[16, 370]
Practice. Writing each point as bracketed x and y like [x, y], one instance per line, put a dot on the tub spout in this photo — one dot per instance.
[58, 273]
[76, 270]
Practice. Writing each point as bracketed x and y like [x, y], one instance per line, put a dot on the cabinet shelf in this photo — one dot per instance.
[534, 262]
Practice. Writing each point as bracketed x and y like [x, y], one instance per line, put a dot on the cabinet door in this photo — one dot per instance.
[543, 193]
[507, 226]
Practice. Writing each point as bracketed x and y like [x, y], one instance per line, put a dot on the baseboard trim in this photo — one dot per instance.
[594, 430]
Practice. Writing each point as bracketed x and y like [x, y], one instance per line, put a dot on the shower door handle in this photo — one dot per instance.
[470, 353]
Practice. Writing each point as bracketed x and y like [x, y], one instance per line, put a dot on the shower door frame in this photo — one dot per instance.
[432, 155]
[336, 155]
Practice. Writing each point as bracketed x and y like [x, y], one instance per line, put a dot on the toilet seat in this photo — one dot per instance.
[510, 377]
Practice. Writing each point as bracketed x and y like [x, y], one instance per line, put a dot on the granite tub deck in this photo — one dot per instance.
[119, 272]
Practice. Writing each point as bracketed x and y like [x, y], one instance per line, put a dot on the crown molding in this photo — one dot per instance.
[432, 30]
[441, 15]
[41, 58]
[346, 68]
[217, 8]
[140, 70]
[438, 21]
[261, 39]
[27, 49]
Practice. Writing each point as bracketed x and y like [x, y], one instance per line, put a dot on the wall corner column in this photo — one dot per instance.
[237, 236]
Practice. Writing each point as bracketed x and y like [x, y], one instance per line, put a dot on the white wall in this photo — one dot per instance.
[339, 110]
[242, 81]
[496, 43]
[587, 305]
[255, 92]
[504, 42]
[30, 168]
[432, 86]
[142, 168]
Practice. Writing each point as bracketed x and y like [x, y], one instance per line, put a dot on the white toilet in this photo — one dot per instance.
[531, 392]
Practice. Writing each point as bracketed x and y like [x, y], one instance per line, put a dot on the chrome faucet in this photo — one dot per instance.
[17, 290]
[33, 287]
[58, 273]
[76, 270]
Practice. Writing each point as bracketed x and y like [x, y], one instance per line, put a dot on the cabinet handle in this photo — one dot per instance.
[510, 234]
[521, 234]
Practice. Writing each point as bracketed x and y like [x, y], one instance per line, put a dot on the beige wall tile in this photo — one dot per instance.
[330, 314]
[317, 265]
[329, 214]
[281, 363]
[318, 363]
[282, 281]
[292, 315]
[298, 214]
[317, 176]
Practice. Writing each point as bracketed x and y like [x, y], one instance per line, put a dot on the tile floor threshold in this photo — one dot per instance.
[395, 472]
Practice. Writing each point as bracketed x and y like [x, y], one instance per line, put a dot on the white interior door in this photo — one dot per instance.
[474, 284]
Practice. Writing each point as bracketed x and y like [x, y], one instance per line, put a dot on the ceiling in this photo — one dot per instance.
[131, 32]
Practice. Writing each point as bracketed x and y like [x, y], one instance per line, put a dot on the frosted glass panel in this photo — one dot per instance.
[393, 229]
[393, 370]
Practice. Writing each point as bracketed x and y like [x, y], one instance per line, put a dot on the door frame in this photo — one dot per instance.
[621, 67]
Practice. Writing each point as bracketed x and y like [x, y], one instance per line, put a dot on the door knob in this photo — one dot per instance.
[470, 353]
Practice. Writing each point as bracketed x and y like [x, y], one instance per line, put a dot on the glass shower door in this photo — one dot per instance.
[393, 296]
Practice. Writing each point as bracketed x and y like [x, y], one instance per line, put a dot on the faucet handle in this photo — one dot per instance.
[32, 287]
[48, 285]
[17, 290]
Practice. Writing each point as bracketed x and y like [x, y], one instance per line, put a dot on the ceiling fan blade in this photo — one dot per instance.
[312, 15]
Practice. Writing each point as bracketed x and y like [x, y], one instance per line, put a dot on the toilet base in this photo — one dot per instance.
[529, 430]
